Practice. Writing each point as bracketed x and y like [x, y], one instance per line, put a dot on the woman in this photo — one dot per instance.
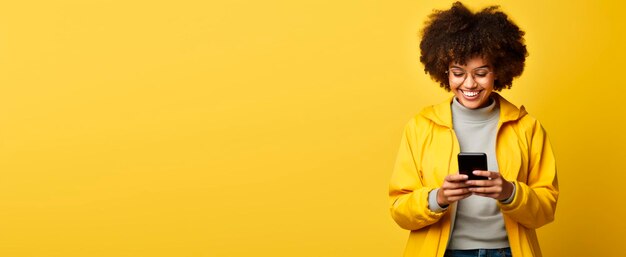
[472, 55]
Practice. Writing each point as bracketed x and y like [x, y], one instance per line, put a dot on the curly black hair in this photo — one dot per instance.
[456, 35]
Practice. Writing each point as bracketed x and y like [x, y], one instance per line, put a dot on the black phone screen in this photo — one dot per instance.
[469, 162]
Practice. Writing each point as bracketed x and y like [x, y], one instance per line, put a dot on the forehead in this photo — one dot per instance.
[472, 63]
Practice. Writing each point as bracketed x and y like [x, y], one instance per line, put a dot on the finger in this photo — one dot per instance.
[485, 190]
[451, 185]
[486, 173]
[456, 178]
[481, 183]
[458, 198]
[494, 196]
[457, 192]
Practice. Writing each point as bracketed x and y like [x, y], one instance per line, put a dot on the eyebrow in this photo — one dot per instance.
[484, 66]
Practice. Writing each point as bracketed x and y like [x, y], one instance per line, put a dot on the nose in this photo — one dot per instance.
[469, 82]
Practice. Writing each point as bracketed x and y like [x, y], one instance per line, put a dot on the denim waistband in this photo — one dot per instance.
[502, 252]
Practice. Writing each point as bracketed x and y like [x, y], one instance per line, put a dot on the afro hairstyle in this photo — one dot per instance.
[457, 35]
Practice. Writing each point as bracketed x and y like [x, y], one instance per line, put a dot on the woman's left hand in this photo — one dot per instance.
[496, 187]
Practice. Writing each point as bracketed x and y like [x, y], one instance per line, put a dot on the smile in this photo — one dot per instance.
[470, 93]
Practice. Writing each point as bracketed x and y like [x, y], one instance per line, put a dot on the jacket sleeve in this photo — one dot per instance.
[408, 197]
[534, 203]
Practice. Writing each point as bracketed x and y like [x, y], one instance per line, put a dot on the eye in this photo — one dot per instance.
[457, 73]
[481, 73]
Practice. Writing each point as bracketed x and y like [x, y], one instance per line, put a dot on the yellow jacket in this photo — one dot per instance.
[427, 154]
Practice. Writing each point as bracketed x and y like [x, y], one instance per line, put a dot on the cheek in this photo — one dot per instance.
[452, 86]
[489, 87]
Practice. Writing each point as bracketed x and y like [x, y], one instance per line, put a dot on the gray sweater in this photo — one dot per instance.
[478, 223]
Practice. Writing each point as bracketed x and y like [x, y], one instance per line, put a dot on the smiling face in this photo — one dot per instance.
[472, 83]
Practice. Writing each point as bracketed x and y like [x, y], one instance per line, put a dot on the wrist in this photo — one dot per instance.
[433, 205]
[441, 201]
[509, 192]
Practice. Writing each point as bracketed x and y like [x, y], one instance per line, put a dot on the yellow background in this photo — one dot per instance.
[269, 128]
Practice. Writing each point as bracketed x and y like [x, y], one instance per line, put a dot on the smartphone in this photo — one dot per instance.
[469, 162]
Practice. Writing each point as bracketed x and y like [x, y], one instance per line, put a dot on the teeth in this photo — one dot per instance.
[470, 93]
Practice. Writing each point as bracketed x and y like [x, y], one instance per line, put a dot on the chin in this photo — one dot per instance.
[473, 104]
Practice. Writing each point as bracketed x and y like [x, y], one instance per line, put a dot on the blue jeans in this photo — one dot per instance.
[504, 252]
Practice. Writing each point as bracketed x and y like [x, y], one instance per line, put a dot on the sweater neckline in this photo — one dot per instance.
[462, 113]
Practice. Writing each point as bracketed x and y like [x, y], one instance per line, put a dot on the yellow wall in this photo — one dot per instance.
[269, 128]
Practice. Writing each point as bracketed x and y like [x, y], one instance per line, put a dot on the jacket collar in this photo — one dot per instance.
[441, 114]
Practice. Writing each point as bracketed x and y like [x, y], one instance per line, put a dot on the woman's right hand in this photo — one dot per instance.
[453, 189]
